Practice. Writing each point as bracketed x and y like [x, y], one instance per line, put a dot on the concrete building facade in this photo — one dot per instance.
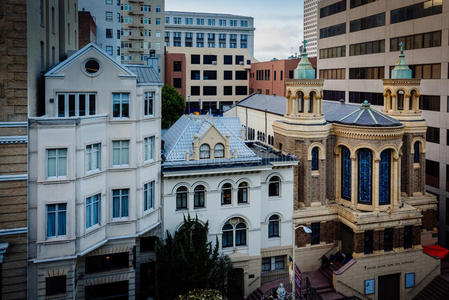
[208, 78]
[107, 17]
[207, 30]
[94, 205]
[244, 192]
[358, 45]
[359, 184]
[310, 16]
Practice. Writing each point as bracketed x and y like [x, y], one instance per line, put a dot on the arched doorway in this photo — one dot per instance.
[236, 284]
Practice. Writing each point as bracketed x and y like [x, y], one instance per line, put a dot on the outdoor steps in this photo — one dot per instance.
[437, 289]
[256, 295]
[329, 271]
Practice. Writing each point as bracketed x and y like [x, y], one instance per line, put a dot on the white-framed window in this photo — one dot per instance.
[56, 163]
[273, 263]
[120, 153]
[204, 151]
[93, 157]
[120, 105]
[274, 187]
[148, 196]
[148, 104]
[158, 21]
[120, 199]
[56, 220]
[148, 151]
[273, 226]
[219, 150]
[158, 9]
[109, 16]
[93, 210]
[109, 50]
[76, 104]
[234, 233]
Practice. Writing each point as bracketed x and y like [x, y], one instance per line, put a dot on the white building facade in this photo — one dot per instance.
[207, 30]
[107, 15]
[94, 209]
[244, 191]
[310, 22]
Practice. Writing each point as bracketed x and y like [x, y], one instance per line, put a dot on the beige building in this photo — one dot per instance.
[359, 183]
[359, 43]
[208, 78]
[34, 35]
[143, 32]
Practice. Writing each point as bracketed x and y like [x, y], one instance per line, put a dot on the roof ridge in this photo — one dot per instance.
[372, 116]
[348, 115]
[179, 136]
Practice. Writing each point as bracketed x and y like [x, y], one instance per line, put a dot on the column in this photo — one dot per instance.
[406, 102]
[289, 105]
[376, 177]
[306, 104]
[294, 104]
[354, 182]
[394, 101]
[395, 182]
[337, 174]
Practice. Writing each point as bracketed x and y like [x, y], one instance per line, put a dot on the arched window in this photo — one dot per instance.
[242, 194]
[385, 177]
[401, 100]
[365, 158]
[412, 99]
[273, 226]
[198, 196]
[300, 102]
[226, 194]
[273, 186]
[219, 150]
[311, 97]
[204, 151]
[345, 173]
[315, 158]
[181, 197]
[234, 233]
[416, 152]
[227, 239]
[240, 234]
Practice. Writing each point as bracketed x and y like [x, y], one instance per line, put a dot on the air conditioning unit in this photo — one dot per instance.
[241, 63]
[214, 62]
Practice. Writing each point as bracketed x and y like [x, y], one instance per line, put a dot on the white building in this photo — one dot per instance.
[244, 191]
[310, 26]
[106, 14]
[94, 186]
[208, 30]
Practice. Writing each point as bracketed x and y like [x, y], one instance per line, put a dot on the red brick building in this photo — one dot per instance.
[269, 77]
[87, 29]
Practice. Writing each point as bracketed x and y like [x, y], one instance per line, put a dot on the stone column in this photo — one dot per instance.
[289, 105]
[376, 183]
[394, 103]
[354, 181]
[306, 104]
[337, 174]
[406, 102]
[396, 183]
[294, 105]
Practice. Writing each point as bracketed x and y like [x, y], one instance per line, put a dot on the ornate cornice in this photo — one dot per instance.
[304, 82]
[407, 82]
[368, 133]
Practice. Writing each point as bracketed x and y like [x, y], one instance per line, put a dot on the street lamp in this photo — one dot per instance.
[308, 231]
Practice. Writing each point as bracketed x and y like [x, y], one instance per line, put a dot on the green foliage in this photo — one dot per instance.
[198, 294]
[173, 106]
[187, 261]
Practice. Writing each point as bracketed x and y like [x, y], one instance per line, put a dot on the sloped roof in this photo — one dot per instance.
[334, 112]
[179, 138]
[146, 75]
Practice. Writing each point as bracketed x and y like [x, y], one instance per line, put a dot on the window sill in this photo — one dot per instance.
[149, 162]
[416, 165]
[245, 204]
[149, 211]
[178, 210]
[148, 117]
[120, 220]
[274, 197]
[56, 240]
[200, 208]
[93, 172]
[315, 173]
[274, 238]
[92, 229]
[56, 296]
[120, 167]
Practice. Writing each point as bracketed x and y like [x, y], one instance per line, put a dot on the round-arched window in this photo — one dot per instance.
[219, 151]
[273, 186]
[204, 151]
[198, 196]
[226, 194]
[273, 226]
[91, 66]
[242, 194]
[181, 197]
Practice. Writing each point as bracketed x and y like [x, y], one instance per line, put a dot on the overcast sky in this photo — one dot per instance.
[279, 27]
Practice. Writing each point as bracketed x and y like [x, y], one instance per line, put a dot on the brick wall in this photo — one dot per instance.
[429, 219]
[13, 60]
[359, 242]
[87, 29]
[170, 74]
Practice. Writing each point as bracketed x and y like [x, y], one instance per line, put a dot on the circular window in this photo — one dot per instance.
[91, 66]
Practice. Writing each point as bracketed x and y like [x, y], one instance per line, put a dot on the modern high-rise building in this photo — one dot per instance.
[207, 30]
[310, 25]
[107, 17]
[130, 31]
[359, 44]
[34, 35]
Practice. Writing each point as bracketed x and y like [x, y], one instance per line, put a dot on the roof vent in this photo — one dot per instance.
[342, 101]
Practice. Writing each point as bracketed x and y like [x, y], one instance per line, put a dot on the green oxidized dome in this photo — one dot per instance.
[401, 70]
[304, 70]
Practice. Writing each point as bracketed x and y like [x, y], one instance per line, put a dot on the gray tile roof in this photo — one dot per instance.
[179, 138]
[334, 112]
[145, 74]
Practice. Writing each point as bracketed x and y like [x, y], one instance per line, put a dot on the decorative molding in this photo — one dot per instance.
[368, 133]
[13, 124]
[17, 139]
[11, 231]
[13, 177]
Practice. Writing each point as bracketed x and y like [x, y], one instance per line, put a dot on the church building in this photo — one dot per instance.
[359, 184]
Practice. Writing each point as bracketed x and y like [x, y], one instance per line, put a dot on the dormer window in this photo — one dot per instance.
[204, 151]
[219, 151]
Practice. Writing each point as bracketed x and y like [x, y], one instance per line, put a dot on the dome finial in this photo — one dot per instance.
[366, 104]
[401, 44]
[305, 47]
[304, 70]
[401, 69]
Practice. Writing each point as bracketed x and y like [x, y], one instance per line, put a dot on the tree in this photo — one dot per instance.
[187, 261]
[173, 106]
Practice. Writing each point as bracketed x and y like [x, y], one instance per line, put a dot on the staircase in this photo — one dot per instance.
[322, 283]
[437, 289]
[256, 295]
[330, 270]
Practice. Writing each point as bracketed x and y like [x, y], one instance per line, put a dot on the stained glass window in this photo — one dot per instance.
[315, 159]
[365, 176]
[345, 173]
[416, 154]
[385, 177]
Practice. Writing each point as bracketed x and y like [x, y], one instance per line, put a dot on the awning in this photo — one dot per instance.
[436, 251]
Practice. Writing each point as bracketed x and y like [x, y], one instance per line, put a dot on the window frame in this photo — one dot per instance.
[121, 103]
[58, 210]
[57, 157]
[90, 154]
[204, 151]
[121, 196]
[243, 193]
[121, 163]
[199, 197]
[277, 191]
[274, 226]
[226, 194]
[90, 222]
[148, 148]
[149, 104]
[148, 195]
[182, 198]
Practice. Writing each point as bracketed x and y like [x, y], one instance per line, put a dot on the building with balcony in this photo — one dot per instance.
[359, 44]
[207, 30]
[244, 192]
[94, 185]
[208, 78]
